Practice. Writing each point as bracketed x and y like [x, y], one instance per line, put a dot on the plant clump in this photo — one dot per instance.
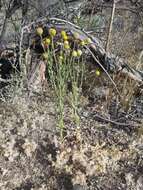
[63, 54]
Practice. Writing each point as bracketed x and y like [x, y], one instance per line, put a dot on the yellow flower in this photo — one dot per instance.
[39, 31]
[47, 41]
[79, 52]
[88, 41]
[82, 43]
[76, 35]
[65, 37]
[66, 42]
[63, 33]
[45, 55]
[66, 46]
[97, 72]
[52, 32]
[74, 53]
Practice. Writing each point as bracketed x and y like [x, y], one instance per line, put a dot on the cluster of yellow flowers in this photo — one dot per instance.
[52, 33]
[64, 35]
[82, 42]
[66, 44]
[77, 53]
[40, 31]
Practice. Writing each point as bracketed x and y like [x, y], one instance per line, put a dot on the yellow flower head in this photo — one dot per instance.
[74, 53]
[88, 41]
[45, 55]
[63, 33]
[47, 41]
[65, 37]
[79, 52]
[39, 31]
[76, 35]
[52, 32]
[66, 42]
[82, 43]
[97, 72]
[66, 46]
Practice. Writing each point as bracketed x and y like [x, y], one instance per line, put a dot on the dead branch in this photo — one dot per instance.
[110, 27]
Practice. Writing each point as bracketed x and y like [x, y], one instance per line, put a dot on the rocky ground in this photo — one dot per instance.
[98, 155]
